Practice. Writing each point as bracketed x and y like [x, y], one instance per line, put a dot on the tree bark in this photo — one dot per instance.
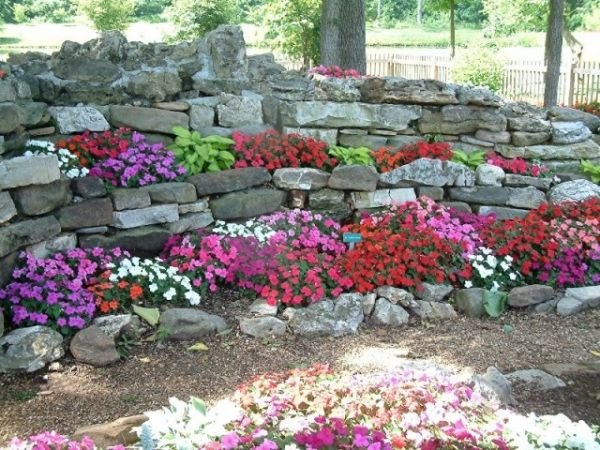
[352, 43]
[554, 38]
[330, 32]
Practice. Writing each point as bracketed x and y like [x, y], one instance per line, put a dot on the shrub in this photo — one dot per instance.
[387, 160]
[201, 154]
[480, 67]
[274, 150]
[54, 11]
[195, 18]
[108, 15]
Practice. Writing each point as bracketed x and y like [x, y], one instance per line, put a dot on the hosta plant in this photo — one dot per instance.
[352, 155]
[471, 160]
[591, 170]
[201, 154]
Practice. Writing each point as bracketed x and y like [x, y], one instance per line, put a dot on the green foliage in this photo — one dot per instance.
[150, 315]
[471, 160]
[150, 8]
[195, 18]
[55, 11]
[107, 15]
[201, 154]
[352, 155]
[506, 17]
[479, 67]
[591, 170]
[293, 27]
[495, 303]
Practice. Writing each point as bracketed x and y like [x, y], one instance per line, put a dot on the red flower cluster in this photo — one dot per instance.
[92, 147]
[335, 72]
[274, 150]
[387, 159]
[591, 107]
[516, 165]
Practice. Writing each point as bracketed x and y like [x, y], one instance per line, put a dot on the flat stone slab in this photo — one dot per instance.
[354, 178]
[192, 221]
[582, 368]
[229, 180]
[130, 199]
[172, 192]
[429, 172]
[89, 213]
[536, 378]
[18, 235]
[304, 179]
[581, 150]
[144, 240]
[134, 218]
[76, 119]
[147, 119]
[247, 204]
[28, 170]
[382, 197]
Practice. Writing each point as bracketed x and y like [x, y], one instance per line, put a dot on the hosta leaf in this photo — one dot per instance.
[220, 140]
[150, 315]
[198, 347]
[181, 132]
[494, 303]
[213, 167]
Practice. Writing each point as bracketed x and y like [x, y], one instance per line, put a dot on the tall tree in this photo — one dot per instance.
[554, 39]
[450, 6]
[343, 34]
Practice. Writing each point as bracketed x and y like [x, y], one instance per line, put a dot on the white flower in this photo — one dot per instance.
[504, 266]
[512, 276]
[468, 284]
[171, 292]
[153, 287]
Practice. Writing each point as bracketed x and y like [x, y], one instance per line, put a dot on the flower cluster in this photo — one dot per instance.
[491, 272]
[274, 150]
[93, 147]
[147, 281]
[387, 159]
[517, 165]
[592, 107]
[68, 163]
[334, 72]
[140, 164]
[53, 291]
[52, 440]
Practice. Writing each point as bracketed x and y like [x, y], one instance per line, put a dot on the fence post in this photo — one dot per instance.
[571, 80]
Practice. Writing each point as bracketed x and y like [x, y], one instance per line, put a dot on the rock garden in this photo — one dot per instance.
[304, 261]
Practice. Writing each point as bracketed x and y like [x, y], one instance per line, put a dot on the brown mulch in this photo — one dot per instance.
[80, 395]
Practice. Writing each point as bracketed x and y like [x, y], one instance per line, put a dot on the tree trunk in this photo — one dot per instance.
[452, 30]
[554, 38]
[352, 44]
[419, 11]
[330, 32]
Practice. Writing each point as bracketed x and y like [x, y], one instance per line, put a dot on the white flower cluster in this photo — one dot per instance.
[249, 228]
[549, 432]
[67, 161]
[161, 282]
[494, 272]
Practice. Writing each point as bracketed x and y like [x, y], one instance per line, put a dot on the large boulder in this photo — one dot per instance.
[329, 317]
[187, 323]
[569, 132]
[154, 85]
[576, 190]
[29, 349]
[429, 172]
[92, 346]
[76, 119]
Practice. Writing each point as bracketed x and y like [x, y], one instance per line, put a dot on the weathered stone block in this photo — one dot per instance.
[527, 197]
[18, 235]
[320, 134]
[434, 193]
[130, 199]
[306, 179]
[524, 138]
[64, 241]
[147, 119]
[7, 207]
[581, 150]
[143, 241]
[354, 178]
[239, 111]
[401, 90]
[382, 197]
[192, 221]
[40, 199]
[75, 119]
[199, 206]
[515, 180]
[252, 203]
[533, 294]
[429, 172]
[569, 132]
[10, 115]
[88, 187]
[501, 212]
[27, 170]
[496, 137]
[201, 116]
[576, 190]
[229, 180]
[89, 213]
[172, 192]
[134, 218]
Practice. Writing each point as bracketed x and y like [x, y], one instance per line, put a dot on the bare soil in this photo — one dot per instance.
[79, 395]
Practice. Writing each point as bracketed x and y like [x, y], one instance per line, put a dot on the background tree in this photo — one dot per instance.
[195, 18]
[108, 15]
[450, 6]
[553, 51]
[343, 34]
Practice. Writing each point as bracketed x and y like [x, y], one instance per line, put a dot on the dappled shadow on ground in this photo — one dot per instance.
[80, 395]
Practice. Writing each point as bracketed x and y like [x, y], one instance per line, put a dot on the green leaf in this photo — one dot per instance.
[494, 303]
[181, 132]
[226, 157]
[213, 167]
[150, 315]
[198, 405]
[220, 140]
[203, 151]
[198, 347]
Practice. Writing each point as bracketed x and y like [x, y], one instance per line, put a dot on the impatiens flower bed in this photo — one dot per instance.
[517, 165]
[68, 163]
[334, 72]
[387, 159]
[91, 147]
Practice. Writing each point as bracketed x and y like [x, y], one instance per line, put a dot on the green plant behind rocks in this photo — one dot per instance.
[479, 66]
[352, 155]
[201, 154]
[108, 15]
[472, 161]
[591, 170]
[195, 18]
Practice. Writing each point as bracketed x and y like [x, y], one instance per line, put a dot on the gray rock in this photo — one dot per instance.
[475, 142]
[434, 292]
[264, 326]
[329, 318]
[348, 115]
[537, 379]
[567, 306]
[494, 386]
[130, 199]
[195, 207]
[478, 96]
[92, 346]
[229, 180]
[401, 90]
[305, 179]
[28, 170]
[489, 175]
[581, 150]
[18, 235]
[172, 192]
[261, 307]
[429, 172]
[523, 296]
[402, 140]
[396, 296]
[83, 68]
[155, 85]
[386, 313]
[382, 197]
[88, 213]
[33, 114]
[558, 113]
[92, 230]
[545, 307]
[1, 323]
[147, 119]
[589, 295]
[514, 180]
[354, 178]
[172, 106]
[434, 193]
[251, 203]
[134, 218]
[367, 140]
[330, 202]
[7, 207]
[496, 137]
[29, 349]
[434, 311]
[458, 206]
[462, 119]
[470, 302]
[144, 241]
[501, 212]
[7, 264]
[117, 325]
[239, 111]
[527, 197]
[10, 115]
[8, 93]
[187, 323]
[576, 190]
[524, 138]
[528, 124]
[88, 187]
[337, 89]
[201, 116]
[486, 195]
[569, 132]
[330, 136]
[369, 303]
[191, 221]
[65, 241]
[75, 119]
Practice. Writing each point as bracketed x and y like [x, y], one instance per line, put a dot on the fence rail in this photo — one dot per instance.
[523, 80]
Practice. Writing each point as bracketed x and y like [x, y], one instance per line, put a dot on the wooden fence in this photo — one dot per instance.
[523, 80]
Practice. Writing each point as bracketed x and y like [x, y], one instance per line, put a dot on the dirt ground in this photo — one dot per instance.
[79, 395]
